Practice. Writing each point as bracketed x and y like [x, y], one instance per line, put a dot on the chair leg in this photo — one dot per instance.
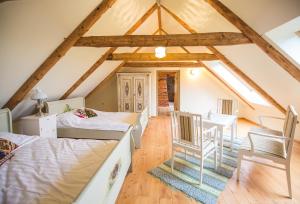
[172, 162]
[216, 158]
[240, 156]
[288, 176]
[201, 170]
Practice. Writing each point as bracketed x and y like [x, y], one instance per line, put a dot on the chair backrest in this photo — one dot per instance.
[227, 106]
[289, 128]
[186, 128]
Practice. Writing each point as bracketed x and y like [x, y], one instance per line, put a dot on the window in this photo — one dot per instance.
[238, 85]
[287, 38]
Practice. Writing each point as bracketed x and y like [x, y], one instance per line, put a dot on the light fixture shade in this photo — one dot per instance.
[160, 52]
[38, 94]
[195, 72]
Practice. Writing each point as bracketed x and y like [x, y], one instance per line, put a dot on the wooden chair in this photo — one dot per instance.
[227, 106]
[271, 145]
[188, 134]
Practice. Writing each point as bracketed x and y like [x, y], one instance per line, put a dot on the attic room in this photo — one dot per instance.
[149, 101]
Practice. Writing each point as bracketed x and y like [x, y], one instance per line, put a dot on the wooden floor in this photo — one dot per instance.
[258, 184]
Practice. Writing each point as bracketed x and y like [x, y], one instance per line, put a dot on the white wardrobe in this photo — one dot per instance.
[133, 91]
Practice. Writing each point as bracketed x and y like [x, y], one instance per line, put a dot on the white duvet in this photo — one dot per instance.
[48, 170]
[116, 121]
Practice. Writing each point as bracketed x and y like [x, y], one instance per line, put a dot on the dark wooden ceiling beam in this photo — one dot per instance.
[162, 64]
[197, 39]
[58, 53]
[274, 54]
[168, 57]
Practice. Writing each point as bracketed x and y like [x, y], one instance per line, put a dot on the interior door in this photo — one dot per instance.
[126, 92]
[139, 94]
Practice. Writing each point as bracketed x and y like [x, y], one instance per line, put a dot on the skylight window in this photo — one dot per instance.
[287, 38]
[236, 84]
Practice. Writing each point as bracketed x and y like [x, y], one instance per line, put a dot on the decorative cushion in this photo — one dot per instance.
[80, 113]
[67, 108]
[6, 149]
[90, 113]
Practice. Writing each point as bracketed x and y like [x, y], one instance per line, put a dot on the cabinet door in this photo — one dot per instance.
[125, 94]
[140, 93]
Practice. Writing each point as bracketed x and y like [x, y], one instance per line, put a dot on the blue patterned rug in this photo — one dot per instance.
[185, 176]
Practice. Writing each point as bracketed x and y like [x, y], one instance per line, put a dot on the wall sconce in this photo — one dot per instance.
[195, 72]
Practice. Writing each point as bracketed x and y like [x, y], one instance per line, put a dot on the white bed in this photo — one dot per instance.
[112, 124]
[49, 170]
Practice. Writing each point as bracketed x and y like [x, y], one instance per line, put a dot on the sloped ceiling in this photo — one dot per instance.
[32, 29]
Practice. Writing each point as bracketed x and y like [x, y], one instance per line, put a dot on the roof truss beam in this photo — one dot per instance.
[197, 39]
[169, 57]
[162, 64]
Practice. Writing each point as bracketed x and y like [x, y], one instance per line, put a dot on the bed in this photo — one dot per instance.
[63, 170]
[139, 122]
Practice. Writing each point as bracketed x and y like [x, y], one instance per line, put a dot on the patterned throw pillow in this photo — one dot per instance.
[80, 113]
[6, 149]
[90, 113]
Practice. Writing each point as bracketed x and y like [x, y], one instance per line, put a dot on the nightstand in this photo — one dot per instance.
[43, 126]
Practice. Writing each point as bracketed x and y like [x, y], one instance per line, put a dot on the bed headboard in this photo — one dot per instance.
[57, 107]
[5, 120]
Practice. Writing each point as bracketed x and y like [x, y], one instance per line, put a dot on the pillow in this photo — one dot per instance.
[80, 113]
[18, 139]
[6, 149]
[7, 146]
[67, 108]
[90, 113]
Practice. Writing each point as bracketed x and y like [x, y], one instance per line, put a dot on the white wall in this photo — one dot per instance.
[197, 94]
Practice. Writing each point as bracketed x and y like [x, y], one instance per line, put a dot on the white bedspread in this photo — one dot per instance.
[116, 121]
[51, 170]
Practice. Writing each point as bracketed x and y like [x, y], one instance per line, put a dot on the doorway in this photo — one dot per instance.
[168, 91]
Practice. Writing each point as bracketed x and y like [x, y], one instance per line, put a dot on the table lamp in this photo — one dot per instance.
[39, 96]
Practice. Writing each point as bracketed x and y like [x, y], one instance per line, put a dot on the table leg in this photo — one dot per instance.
[236, 133]
[221, 144]
[232, 135]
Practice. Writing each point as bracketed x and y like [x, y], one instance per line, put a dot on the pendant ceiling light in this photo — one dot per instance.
[160, 52]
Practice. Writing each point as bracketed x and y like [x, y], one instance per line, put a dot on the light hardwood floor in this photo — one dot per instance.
[258, 184]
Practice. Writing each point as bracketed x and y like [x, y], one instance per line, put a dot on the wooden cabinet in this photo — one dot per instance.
[43, 126]
[133, 91]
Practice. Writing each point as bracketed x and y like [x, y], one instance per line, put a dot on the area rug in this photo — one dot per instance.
[185, 176]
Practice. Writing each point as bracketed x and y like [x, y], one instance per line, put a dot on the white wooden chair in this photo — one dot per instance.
[188, 134]
[227, 106]
[271, 145]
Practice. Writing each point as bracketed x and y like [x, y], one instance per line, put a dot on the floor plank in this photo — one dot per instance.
[258, 184]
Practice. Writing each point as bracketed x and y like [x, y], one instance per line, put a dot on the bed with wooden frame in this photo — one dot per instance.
[103, 186]
[139, 123]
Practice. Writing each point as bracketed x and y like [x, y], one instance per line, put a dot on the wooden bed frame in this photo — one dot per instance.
[106, 183]
[57, 107]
